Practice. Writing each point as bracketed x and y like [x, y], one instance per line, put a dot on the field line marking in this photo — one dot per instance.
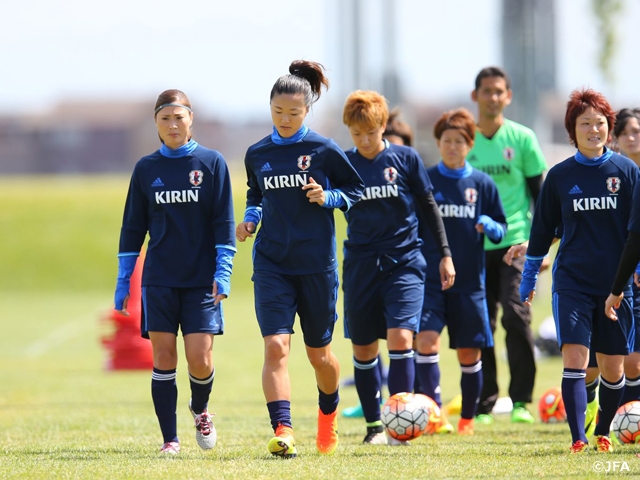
[59, 336]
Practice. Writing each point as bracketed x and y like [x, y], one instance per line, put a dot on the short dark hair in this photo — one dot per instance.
[492, 72]
[399, 128]
[623, 117]
[579, 101]
[459, 119]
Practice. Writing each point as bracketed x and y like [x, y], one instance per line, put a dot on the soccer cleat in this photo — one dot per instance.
[603, 444]
[591, 417]
[394, 442]
[578, 447]
[283, 445]
[170, 448]
[375, 436]
[442, 425]
[206, 434]
[327, 437]
[353, 412]
[484, 419]
[465, 426]
[520, 414]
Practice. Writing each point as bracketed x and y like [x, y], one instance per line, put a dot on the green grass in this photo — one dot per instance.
[62, 415]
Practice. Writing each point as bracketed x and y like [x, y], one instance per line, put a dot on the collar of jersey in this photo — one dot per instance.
[296, 137]
[455, 172]
[182, 151]
[590, 162]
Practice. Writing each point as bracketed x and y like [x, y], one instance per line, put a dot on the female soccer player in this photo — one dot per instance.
[296, 178]
[399, 132]
[590, 195]
[181, 196]
[471, 209]
[626, 135]
[384, 270]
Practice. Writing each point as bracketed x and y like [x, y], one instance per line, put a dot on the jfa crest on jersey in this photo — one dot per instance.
[195, 177]
[613, 184]
[509, 153]
[471, 195]
[390, 175]
[304, 162]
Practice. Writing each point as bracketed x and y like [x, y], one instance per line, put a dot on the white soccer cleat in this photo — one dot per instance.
[206, 434]
[170, 448]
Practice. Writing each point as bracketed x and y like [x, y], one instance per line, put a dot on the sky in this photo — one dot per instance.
[226, 55]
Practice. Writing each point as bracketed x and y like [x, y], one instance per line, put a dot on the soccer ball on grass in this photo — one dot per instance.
[404, 416]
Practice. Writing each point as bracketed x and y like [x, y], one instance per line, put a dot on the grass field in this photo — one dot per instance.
[62, 415]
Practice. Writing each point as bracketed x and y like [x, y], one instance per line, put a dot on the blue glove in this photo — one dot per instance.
[224, 264]
[253, 214]
[492, 229]
[126, 265]
[638, 269]
[529, 278]
[333, 199]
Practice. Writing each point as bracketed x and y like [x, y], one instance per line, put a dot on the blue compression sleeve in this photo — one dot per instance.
[529, 277]
[492, 229]
[638, 269]
[333, 199]
[126, 265]
[224, 265]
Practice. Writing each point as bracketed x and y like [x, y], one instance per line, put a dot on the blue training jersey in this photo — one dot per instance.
[461, 202]
[593, 205]
[186, 205]
[385, 221]
[297, 237]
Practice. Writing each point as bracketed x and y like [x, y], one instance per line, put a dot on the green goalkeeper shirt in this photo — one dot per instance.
[510, 157]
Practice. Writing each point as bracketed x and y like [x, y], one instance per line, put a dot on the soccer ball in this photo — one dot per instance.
[434, 414]
[626, 423]
[404, 416]
[551, 406]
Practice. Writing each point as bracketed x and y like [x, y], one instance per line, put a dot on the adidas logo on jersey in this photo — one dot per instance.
[157, 183]
[266, 167]
[575, 190]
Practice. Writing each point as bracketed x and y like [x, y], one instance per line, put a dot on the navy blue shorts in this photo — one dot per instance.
[382, 293]
[313, 297]
[580, 320]
[464, 314]
[165, 309]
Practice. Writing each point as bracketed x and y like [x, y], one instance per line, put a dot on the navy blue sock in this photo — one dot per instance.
[428, 370]
[200, 391]
[368, 386]
[280, 413]
[471, 387]
[164, 393]
[591, 390]
[328, 402]
[610, 395]
[574, 395]
[417, 388]
[384, 372]
[402, 371]
[631, 389]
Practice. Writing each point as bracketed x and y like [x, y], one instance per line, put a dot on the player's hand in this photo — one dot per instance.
[611, 304]
[479, 228]
[636, 279]
[125, 304]
[244, 230]
[447, 273]
[515, 251]
[217, 297]
[529, 299]
[315, 193]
